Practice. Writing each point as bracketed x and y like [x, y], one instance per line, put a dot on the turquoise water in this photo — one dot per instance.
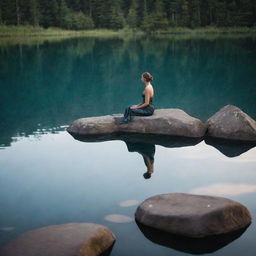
[47, 177]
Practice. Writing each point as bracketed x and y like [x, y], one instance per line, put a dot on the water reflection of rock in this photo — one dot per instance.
[190, 245]
[230, 148]
[166, 141]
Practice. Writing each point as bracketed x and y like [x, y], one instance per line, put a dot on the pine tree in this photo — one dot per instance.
[195, 13]
[63, 13]
[34, 13]
[116, 18]
[246, 13]
[221, 13]
[159, 16]
[146, 24]
[17, 12]
[74, 5]
[183, 14]
[49, 13]
[174, 13]
[1, 19]
[132, 15]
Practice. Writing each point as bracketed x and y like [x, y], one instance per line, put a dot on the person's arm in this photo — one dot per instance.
[146, 103]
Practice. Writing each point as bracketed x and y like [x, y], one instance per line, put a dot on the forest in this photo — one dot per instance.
[147, 15]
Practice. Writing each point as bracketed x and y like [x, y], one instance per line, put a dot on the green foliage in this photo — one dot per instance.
[115, 20]
[184, 13]
[159, 17]
[1, 20]
[149, 15]
[132, 15]
[77, 21]
[195, 14]
[34, 13]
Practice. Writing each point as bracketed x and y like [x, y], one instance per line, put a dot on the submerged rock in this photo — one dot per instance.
[232, 123]
[81, 239]
[193, 215]
[174, 122]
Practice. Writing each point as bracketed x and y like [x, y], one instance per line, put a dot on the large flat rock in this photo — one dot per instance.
[193, 215]
[174, 122]
[80, 239]
[232, 123]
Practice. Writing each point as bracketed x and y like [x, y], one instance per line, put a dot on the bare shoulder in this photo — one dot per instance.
[149, 90]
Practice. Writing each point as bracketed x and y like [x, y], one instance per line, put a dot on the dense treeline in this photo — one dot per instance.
[115, 14]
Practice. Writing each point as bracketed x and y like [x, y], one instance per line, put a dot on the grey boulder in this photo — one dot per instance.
[193, 216]
[173, 122]
[80, 239]
[232, 123]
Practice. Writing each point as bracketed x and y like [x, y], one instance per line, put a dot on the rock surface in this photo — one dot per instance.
[232, 123]
[174, 122]
[80, 239]
[193, 215]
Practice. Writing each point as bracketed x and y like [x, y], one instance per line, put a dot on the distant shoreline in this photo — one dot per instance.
[31, 31]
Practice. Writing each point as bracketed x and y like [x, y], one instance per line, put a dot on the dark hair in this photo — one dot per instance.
[147, 175]
[147, 76]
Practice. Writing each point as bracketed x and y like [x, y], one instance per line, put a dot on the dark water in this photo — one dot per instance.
[47, 177]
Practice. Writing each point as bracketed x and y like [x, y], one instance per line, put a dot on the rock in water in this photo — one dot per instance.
[173, 122]
[193, 215]
[232, 123]
[81, 239]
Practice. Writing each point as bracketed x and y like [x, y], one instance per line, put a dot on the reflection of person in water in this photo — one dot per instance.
[147, 151]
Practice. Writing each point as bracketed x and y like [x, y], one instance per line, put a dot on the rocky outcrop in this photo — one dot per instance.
[232, 123]
[81, 239]
[192, 215]
[174, 122]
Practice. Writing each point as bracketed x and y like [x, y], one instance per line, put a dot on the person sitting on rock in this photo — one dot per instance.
[146, 108]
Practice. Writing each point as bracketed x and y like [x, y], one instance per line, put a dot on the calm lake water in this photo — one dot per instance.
[47, 177]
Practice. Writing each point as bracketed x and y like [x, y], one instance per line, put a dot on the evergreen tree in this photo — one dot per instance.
[100, 12]
[49, 13]
[81, 21]
[159, 17]
[221, 13]
[195, 13]
[1, 19]
[132, 15]
[17, 12]
[86, 7]
[173, 13]
[8, 12]
[63, 13]
[246, 13]
[116, 18]
[74, 5]
[147, 24]
[34, 13]
[183, 13]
